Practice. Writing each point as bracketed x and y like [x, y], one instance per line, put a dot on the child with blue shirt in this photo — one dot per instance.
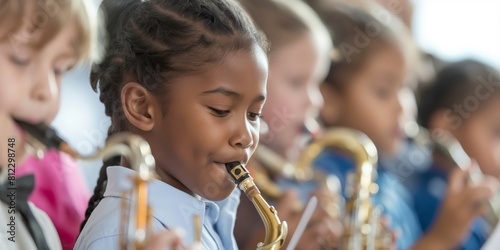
[362, 91]
[190, 78]
[463, 101]
[298, 61]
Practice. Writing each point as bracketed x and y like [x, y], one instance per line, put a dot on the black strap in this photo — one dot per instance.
[15, 194]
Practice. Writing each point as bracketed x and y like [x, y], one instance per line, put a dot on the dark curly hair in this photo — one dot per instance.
[456, 84]
[156, 41]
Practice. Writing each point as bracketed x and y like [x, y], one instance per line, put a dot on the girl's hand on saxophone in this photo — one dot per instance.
[322, 231]
[169, 239]
[462, 204]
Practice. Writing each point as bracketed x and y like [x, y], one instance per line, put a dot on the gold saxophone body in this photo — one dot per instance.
[276, 231]
[444, 143]
[136, 151]
[270, 163]
[363, 229]
[362, 219]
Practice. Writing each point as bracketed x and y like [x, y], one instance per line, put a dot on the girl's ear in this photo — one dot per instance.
[139, 106]
[332, 106]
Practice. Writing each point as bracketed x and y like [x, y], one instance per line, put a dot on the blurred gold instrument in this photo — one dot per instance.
[363, 229]
[363, 220]
[136, 219]
[447, 145]
[270, 163]
[276, 231]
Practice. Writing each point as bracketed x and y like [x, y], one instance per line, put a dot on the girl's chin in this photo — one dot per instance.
[216, 193]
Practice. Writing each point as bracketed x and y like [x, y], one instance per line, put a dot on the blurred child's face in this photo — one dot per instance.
[295, 71]
[211, 118]
[370, 101]
[30, 80]
[480, 136]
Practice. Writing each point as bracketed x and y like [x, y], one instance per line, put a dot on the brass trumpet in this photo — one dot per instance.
[276, 231]
[137, 152]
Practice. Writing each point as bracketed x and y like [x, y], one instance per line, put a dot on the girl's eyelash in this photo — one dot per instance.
[256, 116]
[219, 112]
[58, 71]
[223, 113]
[19, 61]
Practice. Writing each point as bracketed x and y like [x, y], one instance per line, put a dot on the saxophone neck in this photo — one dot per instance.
[276, 230]
[137, 152]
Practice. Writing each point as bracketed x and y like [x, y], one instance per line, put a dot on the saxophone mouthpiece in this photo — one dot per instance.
[237, 171]
[46, 136]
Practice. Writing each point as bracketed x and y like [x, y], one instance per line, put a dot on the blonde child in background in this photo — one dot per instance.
[298, 60]
[39, 42]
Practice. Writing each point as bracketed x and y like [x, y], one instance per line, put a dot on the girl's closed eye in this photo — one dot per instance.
[61, 70]
[20, 60]
[255, 116]
[297, 82]
[495, 131]
[219, 112]
[382, 92]
[21, 56]
[63, 64]
[384, 88]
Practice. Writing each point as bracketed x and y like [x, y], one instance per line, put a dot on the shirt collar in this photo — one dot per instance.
[171, 206]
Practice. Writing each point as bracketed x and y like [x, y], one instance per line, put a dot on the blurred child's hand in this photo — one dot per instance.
[462, 204]
[322, 231]
[169, 239]
[387, 233]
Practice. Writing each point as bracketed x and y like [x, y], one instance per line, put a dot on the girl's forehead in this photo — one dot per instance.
[242, 71]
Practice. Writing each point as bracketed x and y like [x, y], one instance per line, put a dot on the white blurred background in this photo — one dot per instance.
[449, 29]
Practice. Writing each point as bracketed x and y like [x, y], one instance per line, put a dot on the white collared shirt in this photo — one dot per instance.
[171, 208]
[20, 238]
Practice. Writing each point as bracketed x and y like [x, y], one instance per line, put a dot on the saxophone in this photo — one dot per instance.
[362, 223]
[299, 173]
[272, 163]
[137, 152]
[276, 231]
[450, 147]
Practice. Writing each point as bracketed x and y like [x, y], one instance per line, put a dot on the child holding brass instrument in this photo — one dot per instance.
[462, 100]
[190, 78]
[39, 42]
[34, 57]
[362, 92]
[298, 60]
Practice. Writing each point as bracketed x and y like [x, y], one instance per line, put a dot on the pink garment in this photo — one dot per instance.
[60, 191]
